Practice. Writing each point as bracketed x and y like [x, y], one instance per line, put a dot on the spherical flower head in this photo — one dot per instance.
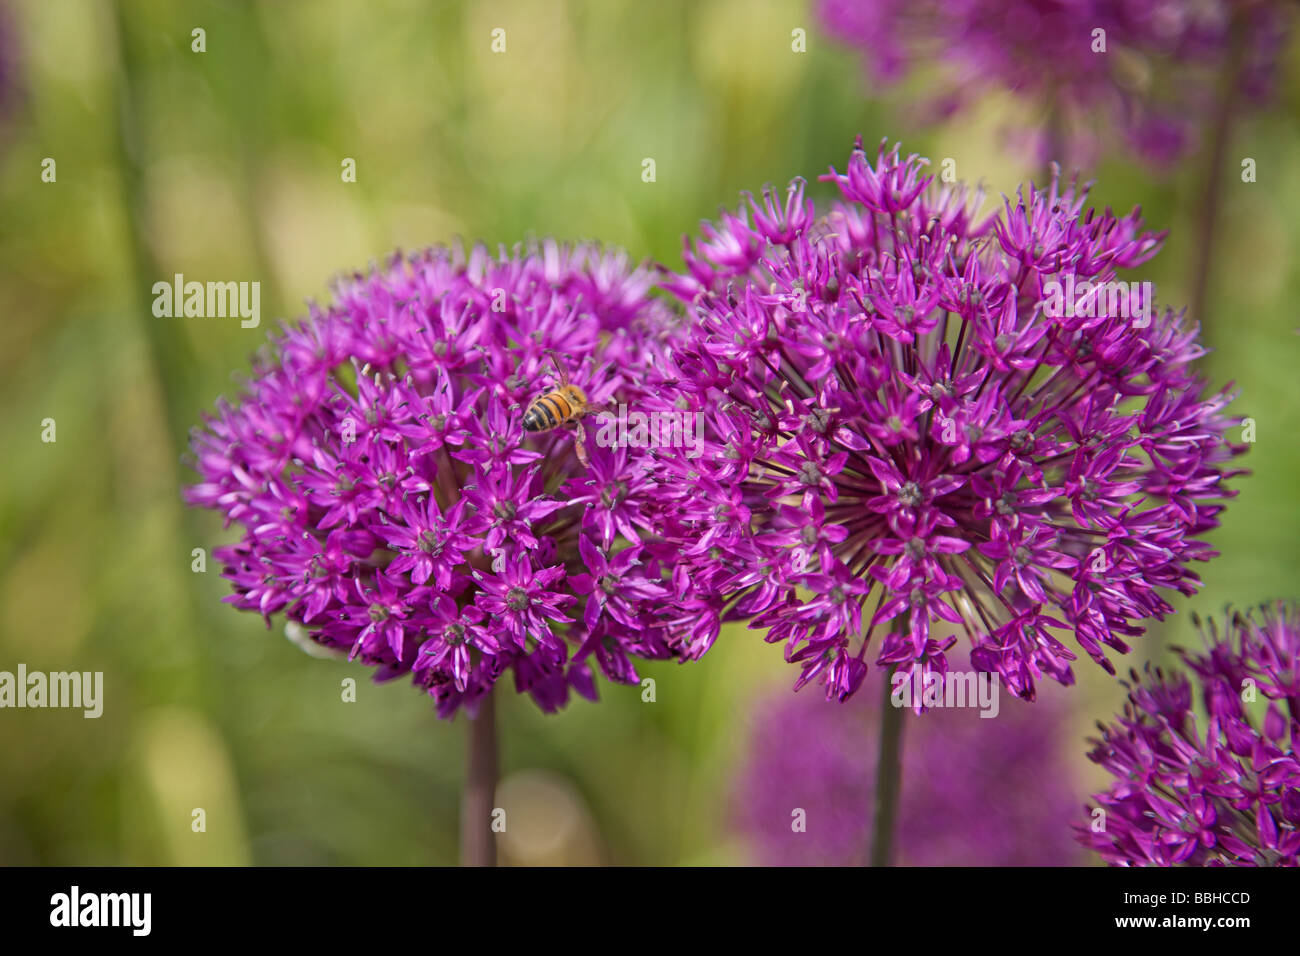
[975, 791]
[390, 502]
[917, 417]
[1083, 71]
[1218, 788]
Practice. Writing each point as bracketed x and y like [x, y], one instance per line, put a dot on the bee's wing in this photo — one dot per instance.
[559, 368]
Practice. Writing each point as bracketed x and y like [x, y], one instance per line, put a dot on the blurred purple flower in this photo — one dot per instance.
[391, 504]
[1218, 790]
[975, 791]
[900, 432]
[1161, 68]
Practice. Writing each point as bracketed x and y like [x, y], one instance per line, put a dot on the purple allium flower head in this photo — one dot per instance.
[1219, 789]
[975, 791]
[1162, 64]
[903, 430]
[392, 505]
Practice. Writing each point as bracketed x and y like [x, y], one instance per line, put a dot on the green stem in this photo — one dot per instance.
[171, 353]
[1054, 143]
[477, 841]
[889, 773]
[1220, 135]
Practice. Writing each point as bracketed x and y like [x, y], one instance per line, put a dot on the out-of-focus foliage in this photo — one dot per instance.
[225, 165]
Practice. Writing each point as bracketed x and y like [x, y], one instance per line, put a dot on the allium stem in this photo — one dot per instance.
[1054, 143]
[477, 841]
[889, 773]
[1220, 135]
[169, 350]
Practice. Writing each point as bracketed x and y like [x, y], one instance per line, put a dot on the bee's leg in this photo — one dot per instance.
[579, 445]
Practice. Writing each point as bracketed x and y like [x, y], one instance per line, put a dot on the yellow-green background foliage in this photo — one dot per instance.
[226, 165]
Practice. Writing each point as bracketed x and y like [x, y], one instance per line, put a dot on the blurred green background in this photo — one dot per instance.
[226, 165]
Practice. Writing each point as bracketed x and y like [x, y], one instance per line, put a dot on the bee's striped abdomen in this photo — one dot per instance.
[548, 411]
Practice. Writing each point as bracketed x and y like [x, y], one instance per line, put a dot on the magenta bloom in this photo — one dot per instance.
[1160, 69]
[975, 791]
[920, 423]
[1222, 790]
[390, 502]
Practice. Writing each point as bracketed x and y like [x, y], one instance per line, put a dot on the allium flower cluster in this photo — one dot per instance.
[975, 791]
[391, 504]
[1162, 66]
[1219, 790]
[902, 432]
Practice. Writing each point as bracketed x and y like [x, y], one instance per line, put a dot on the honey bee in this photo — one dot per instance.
[565, 405]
